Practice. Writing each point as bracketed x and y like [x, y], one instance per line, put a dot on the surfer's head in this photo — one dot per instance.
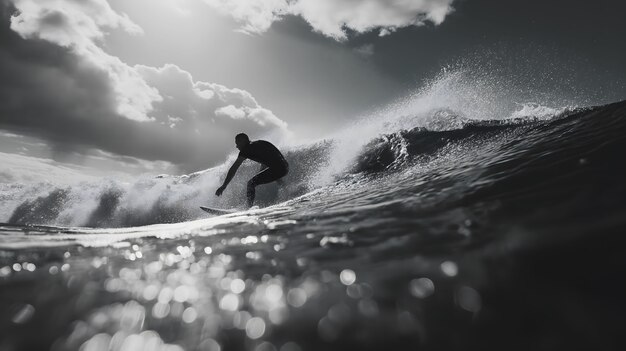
[241, 140]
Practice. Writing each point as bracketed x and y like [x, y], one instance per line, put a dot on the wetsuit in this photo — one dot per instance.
[267, 154]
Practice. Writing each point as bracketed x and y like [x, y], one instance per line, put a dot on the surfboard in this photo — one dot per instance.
[218, 211]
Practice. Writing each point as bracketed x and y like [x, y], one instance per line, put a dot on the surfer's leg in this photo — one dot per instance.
[250, 192]
[259, 178]
[266, 176]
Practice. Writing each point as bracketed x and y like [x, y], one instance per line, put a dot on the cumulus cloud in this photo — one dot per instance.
[334, 18]
[58, 83]
[79, 25]
[188, 103]
[142, 93]
[68, 23]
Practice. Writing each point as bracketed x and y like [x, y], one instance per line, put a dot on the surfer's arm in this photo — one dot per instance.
[230, 175]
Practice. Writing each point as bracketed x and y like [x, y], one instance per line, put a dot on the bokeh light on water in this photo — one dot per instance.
[213, 293]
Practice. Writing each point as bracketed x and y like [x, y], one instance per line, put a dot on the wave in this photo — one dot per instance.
[444, 115]
[396, 150]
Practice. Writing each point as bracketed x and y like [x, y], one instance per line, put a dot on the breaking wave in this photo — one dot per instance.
[452, 111]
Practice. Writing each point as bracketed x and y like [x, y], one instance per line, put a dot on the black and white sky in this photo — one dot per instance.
[163, 85]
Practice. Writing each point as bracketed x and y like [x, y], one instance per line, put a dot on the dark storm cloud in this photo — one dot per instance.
[56, 84]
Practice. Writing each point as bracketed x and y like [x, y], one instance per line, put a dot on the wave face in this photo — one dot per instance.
[444, 214]
[169, 199]
[452, 111]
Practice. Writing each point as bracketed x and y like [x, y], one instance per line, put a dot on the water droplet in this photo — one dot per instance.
[296, 297]
[368, 307]
[98, 342]
[181, 294]
[150, 292]
[230, 302]
[253, 255]
[464, 231]
[240, 319]
[339, 313]
[237, 286]
[166, 295]
[114, 284]
[160, 310]
[290, 346]
[255, 328]
[347, 277]
[210, 345]
[327, 330]
[422, 287]
[335, 241]
[265, 346]
[449, 268]
[132, 316]
[278, 315]
[190, 315]
[469, 299]
[354, 291]
[5, 271]
[24, 314]
[274, 292]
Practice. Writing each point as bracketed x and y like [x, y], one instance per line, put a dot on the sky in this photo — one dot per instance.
[162, 86]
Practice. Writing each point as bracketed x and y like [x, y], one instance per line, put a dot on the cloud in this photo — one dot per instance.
[58, 83]
[256, 16]
[79, 25]
[68, 23]
[334, 18]
[189, 103]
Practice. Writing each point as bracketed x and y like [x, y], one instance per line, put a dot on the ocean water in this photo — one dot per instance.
[447, 221]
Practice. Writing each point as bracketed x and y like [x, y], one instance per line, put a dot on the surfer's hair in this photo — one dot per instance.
[242, 137]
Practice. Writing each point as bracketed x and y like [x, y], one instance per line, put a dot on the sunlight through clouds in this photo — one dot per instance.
[334, 18]
[142, 93]
[88, 89]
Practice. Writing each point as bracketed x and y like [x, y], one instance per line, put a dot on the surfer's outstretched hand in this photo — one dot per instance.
[219, 191]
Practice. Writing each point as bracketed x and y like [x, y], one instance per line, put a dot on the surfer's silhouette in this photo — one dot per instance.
[273, 164]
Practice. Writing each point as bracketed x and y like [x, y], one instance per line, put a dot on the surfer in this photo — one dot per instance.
[273, 164]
